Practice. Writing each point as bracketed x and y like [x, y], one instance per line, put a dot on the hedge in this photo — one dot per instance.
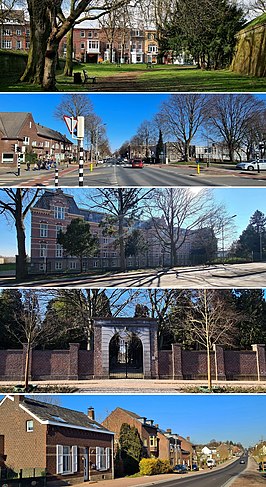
[154, 466]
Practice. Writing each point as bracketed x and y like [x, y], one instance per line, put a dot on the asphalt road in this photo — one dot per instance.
[215, 478]
[106, 175]
[251, 275]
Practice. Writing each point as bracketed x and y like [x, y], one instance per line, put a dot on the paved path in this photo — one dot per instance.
[138, 386]
[250, 477]
[249, 275]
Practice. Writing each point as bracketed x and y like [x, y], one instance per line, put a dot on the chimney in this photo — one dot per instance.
[91, 413]
[169, 430]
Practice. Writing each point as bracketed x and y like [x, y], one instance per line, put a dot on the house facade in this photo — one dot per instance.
[65, 444]
[55, 210]
[147, 430]
[15, 31]
[20, 134]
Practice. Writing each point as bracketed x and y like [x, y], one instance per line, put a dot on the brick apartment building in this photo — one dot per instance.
[66, 444]
[20, 134]
[146, 428]
[94, 43]
[54, 211]
[15, 31]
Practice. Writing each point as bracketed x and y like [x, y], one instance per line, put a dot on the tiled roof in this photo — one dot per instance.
[52, 413]
[51, 134]
[11, 123]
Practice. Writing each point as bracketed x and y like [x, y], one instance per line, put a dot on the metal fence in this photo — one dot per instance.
[35, 477]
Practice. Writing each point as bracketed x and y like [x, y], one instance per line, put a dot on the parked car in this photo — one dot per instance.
[194, 467]
[242, 461]
[137, 163]
[211, 463]
[180, 469]
[251, 165]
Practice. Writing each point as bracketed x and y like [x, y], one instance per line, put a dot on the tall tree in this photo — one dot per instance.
[78, 240]
[251, 306]
[229, 117]
[180, 117]
[130, 448]
[10, 306]
[252, 241]
[175, 212]
[210, 321]
[122, 206]
[16, 204]
[135, 244]
[48, 25]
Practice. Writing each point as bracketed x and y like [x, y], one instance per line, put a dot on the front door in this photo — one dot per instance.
[86, 465]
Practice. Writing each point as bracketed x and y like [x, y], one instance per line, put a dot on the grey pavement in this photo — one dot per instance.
[123, 175]
[139, 386]
[248, 275]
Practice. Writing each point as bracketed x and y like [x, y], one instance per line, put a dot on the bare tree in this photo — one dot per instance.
[175, 212]
[229, 117]
[74, 105]
[84, 305]
[30, 327]
[16, 204]
[257, 6]
[180, 118]
[146, 135]
[122, 206]
[210, 321]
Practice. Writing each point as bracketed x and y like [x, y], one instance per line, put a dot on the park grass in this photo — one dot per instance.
[137, 78]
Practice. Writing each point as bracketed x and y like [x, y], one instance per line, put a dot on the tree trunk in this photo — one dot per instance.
[27, 363]
[21, 264]
[209, 375]
[231, 153]
[49, 81]
[40, 28]
[68, 70]
[121, 243]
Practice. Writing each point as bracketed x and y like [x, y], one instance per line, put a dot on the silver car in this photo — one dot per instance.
[251, 165]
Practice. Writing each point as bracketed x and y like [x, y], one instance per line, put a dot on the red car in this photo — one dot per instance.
[137, 163]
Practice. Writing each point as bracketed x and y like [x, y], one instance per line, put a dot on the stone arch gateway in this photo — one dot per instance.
[140, 332]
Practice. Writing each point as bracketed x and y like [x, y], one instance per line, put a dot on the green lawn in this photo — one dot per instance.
[133, 78]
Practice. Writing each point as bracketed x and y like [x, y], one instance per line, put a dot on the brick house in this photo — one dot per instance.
[66, 444]
[19, 134]
[146, 428]
[15, 31]
[182, 451]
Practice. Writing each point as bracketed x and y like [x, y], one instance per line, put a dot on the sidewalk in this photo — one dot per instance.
[250, 476]
[149, 480]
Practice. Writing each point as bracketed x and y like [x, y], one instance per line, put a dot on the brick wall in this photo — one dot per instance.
[19, 444]
[176, 364]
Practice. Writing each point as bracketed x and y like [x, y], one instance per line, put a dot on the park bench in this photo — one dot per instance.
[87, 77]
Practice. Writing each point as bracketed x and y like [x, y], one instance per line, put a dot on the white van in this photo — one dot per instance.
[211, 463]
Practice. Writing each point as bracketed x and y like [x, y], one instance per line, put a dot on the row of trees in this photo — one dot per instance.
[234, 121]
[197, 319]
[171, 212]
[252, 241]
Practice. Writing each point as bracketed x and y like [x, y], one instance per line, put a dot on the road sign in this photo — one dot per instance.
[71, 123]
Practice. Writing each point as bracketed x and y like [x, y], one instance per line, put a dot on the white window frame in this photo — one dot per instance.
[43, 249]
[58, 266]
[29, 426]
[59, 250]
[59, 212]
[102, 458]
[7, 157]
[43, 230]
[70, 457]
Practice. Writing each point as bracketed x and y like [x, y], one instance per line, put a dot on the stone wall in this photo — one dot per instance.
[177, 364]
[250, 56]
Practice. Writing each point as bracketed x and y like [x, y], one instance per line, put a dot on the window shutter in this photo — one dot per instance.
[59, 459]
[98, 457]
[107, 452]
[74, 459]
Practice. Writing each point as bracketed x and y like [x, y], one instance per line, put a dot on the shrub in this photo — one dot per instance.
[154, 466]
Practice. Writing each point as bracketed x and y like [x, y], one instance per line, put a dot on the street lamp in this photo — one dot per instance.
[224, 222]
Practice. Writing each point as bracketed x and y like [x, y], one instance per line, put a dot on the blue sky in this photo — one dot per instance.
[242, 202]
[122, 113]
[203, 418]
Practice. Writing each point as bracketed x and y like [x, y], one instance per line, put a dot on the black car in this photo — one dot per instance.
[194, 467]
[180, 469]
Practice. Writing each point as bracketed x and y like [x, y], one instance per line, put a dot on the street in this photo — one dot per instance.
[249, 275]
[106, 175]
